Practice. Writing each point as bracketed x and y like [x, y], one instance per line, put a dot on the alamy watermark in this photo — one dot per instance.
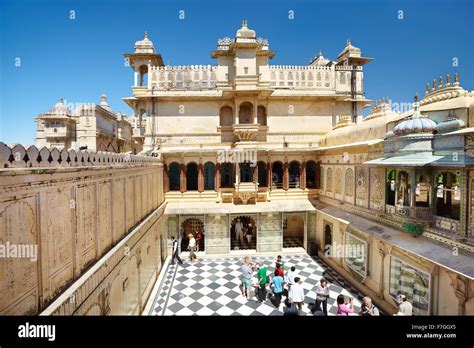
[19, 251]
[238, 156]
[350, 251]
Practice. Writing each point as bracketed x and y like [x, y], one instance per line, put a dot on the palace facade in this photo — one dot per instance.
[287, 151]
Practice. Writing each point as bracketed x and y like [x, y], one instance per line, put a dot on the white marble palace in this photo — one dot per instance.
[285, 149]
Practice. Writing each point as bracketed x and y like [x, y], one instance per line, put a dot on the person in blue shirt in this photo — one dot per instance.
[277, 285]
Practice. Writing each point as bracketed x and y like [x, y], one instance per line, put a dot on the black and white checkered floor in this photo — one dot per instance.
[211, 287]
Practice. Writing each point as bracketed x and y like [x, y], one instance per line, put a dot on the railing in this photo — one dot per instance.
[56, 132]
[19, 157]
[302, 77]
[194, 77]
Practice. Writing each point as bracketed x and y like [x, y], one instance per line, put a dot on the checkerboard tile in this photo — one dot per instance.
[211, 287]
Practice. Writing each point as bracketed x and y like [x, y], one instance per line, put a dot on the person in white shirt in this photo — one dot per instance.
[192, 247]
[296, 294]
[404, 307]
[239, 235]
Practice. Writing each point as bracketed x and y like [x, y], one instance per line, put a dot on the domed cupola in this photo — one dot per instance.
[60, 108]
[418, 123]
[452, 123]
[145, 45]
[245, 34]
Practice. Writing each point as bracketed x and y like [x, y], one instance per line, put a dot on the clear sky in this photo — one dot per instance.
[81, 58]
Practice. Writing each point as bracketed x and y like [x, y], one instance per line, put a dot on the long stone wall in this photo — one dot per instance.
[58, 219]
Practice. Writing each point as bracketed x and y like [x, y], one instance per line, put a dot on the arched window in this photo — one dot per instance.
[262, 174]
[246, 172]
[174, 176]
[448, 195]
[349, 182]
[311, 174]
[226, 116]
[209, 175]
[327, 236]
[338, 188]
[403, 186]
[422, 190]
[329, 180]
[192, 177]
[342, 78]
[294, 173]
[245, 113]
[143, 70]
[391, 187]
[262, 115]
[277, 175]
[226, 175]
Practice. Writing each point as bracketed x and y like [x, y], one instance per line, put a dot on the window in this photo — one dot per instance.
[411, 282]
[311, 174]
[226, 175]
[277, 175]
[403, 185]
[355, 254]
[262, 174]
[390, 198]
[192, 177]
[448, 195]
[209, 175]
[174, 177]
[294, 173]
[422, 190]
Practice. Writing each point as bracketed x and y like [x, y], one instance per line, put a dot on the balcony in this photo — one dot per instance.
[245, 132]
[418, 213]
[55, 132]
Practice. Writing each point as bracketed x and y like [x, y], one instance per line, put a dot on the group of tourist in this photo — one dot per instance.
[243, 229]
[290, 284]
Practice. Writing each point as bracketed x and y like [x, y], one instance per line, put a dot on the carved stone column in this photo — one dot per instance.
[166, 179]
[217, 178]
[303, 175]
[286, 178]
[269, 175]
[182, 178]
[255, 174]
[383, 250]
[462, 291]
[200, 178]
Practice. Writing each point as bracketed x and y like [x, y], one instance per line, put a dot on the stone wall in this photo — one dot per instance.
[217, 234]
[58, 216]
[270, 232]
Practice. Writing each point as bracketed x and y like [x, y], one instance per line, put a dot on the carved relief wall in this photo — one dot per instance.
[73, 217]
[361, 186]
[377, 189]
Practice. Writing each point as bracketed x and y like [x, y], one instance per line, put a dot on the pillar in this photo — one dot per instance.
[166, 179]
[200, 178]
[255, 173]
[303, 175]
[286, 175]
[255, 109]
[182, 178]
[269, 175]
[135, 78]
[236, 170]
[217, 177]
[236, 113]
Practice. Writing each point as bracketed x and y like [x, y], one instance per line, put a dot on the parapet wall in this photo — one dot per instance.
[61, 211]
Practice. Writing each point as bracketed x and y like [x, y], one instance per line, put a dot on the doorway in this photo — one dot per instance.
[293, 231]
[247, 238]
[192, 226]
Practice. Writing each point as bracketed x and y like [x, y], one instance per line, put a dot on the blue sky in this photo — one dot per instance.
[79, 59]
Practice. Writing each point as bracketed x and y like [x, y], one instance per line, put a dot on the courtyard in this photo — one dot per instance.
[211, 287]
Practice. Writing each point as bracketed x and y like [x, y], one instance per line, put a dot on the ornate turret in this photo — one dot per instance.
[418, 123]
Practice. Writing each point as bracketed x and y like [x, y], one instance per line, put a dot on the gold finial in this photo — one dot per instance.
[427, 88]
[456, 78]
[348, 42]
[440, 81]
[146, 35]
[416, 98]
[448, 80]
[244, 23]
[434, 85]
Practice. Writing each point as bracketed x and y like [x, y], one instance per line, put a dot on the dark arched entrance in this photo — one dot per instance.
[248, 223]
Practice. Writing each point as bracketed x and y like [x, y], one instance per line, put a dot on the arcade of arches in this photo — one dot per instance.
[212, 176]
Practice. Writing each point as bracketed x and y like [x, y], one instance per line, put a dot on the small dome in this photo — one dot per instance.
[417, 124]
[450, 124]
[144, 46]
[60, 108]
[244, 32]
[352, 50]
